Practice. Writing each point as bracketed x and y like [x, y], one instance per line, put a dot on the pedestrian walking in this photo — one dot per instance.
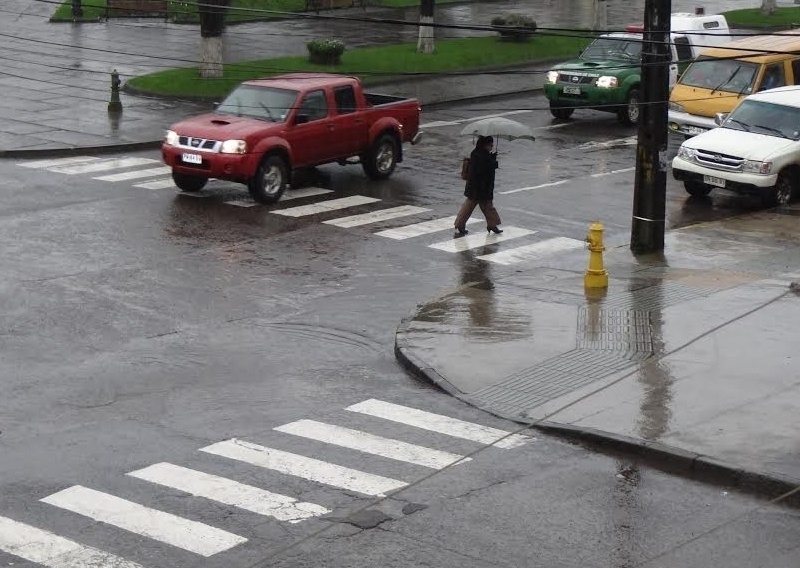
[479, 190]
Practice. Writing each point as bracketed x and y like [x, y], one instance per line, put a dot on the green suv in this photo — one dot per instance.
[605, 76]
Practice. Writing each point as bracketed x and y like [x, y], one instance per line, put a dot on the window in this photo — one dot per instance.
[684, 49]
[729, 75]
[345, 99]
[773, 77]
[796, 71]
[314, 105]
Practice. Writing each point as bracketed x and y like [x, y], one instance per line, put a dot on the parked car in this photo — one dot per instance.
[755, 150]
[722, 76]
[267, 128]
[607, 74]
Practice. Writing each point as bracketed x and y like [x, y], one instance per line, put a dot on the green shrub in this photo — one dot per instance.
[325, 51]
[514, 27]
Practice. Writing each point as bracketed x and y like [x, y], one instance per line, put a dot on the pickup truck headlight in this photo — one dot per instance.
[233, 147]
[675, 107]
[171, 138]
[755, 167]
[552, 77]
[607, 82]
[686, 153]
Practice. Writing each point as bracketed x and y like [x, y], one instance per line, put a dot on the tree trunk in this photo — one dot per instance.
[768, 7]
[425, 43]
[212, 26]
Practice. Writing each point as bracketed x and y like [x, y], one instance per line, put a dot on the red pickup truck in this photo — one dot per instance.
[267, 128]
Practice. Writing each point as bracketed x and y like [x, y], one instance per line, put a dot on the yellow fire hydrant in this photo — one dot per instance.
[596, 276]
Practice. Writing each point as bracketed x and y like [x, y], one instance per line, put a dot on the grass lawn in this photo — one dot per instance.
[753, 18]
[185, 11]
[371, 64]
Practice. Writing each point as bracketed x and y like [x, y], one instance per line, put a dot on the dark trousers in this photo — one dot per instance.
[491, 214]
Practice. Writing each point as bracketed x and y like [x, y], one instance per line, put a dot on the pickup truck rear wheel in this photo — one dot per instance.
[696, 188]
[381, 160]
[270, 180]
[785, 188]
[629, 114]
[189, 183]
[561, 113]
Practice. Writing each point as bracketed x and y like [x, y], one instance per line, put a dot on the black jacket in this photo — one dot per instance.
[480, 185]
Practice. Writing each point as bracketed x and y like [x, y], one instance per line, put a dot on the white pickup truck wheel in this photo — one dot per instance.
[270, 180]
[784, 190]
[696, 188]
[381, 160]
[190, 184]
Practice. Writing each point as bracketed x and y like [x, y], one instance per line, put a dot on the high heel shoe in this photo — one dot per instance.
[494, 230]
[461, 232]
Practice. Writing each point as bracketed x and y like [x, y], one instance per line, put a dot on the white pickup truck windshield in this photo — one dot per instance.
[765, 118]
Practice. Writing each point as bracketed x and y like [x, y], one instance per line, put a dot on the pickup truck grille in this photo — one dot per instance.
[575, 79]
[719, 161]
[197, 143]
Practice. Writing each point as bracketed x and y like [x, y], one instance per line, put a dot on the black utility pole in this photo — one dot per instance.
[649, 193]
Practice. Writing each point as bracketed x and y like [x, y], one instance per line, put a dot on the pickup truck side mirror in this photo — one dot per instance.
[720, 117]
[301, 119]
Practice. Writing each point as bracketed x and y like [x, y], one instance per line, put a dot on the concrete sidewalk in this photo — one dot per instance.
[691, 358]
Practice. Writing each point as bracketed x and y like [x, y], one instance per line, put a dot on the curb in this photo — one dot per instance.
[69, 151]
[662, 456]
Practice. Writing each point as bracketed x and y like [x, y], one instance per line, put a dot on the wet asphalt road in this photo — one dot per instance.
[140, 326]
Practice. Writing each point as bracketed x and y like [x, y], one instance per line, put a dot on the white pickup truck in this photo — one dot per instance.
[755, 150]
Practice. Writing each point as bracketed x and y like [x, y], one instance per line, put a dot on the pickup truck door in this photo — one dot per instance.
[350, 123]
[310, 135]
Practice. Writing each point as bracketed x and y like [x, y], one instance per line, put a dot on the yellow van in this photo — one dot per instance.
[721, 76]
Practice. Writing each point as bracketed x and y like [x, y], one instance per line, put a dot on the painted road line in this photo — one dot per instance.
[325, 206]
[376, 216]
[136, 174]
[48, 549]
[308, 468]
[102, 165]
[303, 192]
[59, 162]
[439, 423]
[619, 142]
[371, 444]
[480, 239]
[534, 251]
[613, 172]
[193, 536]
[423, 228]
[229, 492]
[436, 123]
[529, 188]
[241, 203]
[157, 184]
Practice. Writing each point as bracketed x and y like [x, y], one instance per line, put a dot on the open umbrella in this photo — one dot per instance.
[498, 127]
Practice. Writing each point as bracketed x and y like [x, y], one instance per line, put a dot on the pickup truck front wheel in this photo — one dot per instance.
[560, 112]
[629, 113]
[696, 188]
[189, 183]
[381, 160]
[785, 188]
[270, 180]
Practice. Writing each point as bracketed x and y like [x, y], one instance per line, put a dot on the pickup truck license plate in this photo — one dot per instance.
[570, 90]
[713, 180]
[694, 130]
[192, 158]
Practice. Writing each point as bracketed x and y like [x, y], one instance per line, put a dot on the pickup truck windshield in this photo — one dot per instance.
[263, 103]
[728, 75]
[605, 48]
[765, 118]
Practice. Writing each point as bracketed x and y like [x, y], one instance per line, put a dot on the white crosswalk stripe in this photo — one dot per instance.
[53, 551]
[481, 239]
[371, 444]
[376, 216]
[308, 468]
[102, 165]
[534, 251]
[423, 228]
[326, 206]
[439, 423]
[190, 535]
[44, 164]
[165, 183]
[304, 192]
[229, 492]
[136, 174]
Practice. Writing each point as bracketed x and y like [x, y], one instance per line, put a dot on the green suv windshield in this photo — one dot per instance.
[605, 48]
